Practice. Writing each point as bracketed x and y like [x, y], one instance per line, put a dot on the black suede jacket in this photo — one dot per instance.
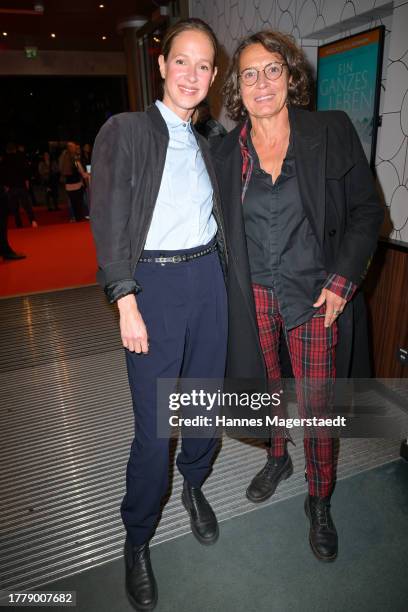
[127, 168]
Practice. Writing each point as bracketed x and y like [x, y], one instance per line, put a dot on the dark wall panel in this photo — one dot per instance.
[386, 289]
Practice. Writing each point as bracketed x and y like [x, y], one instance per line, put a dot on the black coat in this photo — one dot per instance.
[340, 201]
[127, 167]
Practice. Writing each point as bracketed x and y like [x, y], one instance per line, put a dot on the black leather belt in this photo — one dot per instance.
[179, 258]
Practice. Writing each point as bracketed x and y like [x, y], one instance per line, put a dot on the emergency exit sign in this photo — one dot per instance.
[31, 52]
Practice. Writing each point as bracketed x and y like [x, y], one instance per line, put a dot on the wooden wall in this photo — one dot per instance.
[386, 290]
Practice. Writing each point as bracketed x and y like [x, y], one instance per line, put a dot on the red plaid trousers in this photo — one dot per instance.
[311, 348]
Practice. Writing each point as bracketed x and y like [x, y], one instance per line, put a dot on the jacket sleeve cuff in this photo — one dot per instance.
[115, 272]
[340, 286]
[119, 289]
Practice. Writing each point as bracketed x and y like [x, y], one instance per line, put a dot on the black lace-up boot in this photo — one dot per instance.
[141, 587]
[264, 484]
[203, 521]
[322, 535]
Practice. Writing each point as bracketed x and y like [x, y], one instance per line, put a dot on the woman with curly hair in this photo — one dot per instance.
[302, 218]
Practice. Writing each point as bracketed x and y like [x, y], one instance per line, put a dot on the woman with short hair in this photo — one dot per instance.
[302, 219]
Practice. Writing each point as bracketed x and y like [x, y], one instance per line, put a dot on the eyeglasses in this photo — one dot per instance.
[272, 71]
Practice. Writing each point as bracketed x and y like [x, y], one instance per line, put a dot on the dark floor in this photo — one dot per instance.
[66, 424]
[262, 560]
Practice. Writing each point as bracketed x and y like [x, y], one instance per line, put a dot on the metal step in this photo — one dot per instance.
[66, 425]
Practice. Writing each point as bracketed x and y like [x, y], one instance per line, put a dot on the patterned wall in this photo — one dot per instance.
[231, 19]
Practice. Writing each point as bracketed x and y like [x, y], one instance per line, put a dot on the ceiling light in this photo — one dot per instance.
[134, 22]
[101, 6]
[4, 33]
[53, 35]
[103, 37]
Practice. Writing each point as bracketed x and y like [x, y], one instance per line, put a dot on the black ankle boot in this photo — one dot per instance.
[141, 587]
[322, 535]
[202, 518]
[264, 484]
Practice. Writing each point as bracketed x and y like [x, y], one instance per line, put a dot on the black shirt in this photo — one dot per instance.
[283, 251]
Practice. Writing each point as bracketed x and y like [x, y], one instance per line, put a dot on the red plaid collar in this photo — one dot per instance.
[247, 161]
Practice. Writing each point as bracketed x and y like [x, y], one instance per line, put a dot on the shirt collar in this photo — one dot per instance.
[172, 120]
[243, 136]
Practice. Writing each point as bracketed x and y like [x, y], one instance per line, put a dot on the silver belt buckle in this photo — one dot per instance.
[177, 259]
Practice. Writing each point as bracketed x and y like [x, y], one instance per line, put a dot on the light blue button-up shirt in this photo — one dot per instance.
[182, 217]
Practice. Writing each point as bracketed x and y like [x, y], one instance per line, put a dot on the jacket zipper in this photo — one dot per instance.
[148, 223]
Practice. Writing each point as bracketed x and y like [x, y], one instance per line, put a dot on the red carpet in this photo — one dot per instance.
[58, 257]
[43, 216]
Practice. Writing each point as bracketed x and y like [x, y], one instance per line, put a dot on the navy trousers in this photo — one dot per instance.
[185, 311]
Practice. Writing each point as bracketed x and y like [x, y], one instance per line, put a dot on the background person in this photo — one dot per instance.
[86, 155]
[6, 251]
[30, 160]
[204, 122]
[54, 182]
[80, 160]
[16, 176]
[73, 176]
[49, 178]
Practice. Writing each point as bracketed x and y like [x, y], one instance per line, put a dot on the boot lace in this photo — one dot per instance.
[322, 515]
[271, 467]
